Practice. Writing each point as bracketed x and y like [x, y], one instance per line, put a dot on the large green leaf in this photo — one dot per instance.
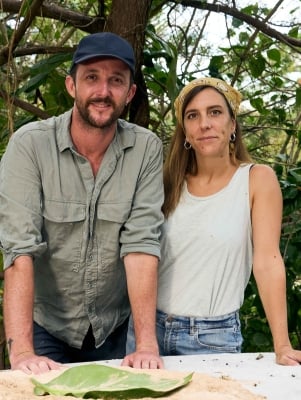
[275, 55]
[99, 381]
[257, 65]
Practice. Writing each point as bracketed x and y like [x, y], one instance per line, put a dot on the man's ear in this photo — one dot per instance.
[70, 85]
[131, 93]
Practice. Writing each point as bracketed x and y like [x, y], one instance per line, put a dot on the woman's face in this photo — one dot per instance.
[208, 124]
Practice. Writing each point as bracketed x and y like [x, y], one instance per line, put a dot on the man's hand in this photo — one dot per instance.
[143, 360]
[30, 363]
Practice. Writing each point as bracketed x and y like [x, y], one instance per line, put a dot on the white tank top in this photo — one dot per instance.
[206, 259]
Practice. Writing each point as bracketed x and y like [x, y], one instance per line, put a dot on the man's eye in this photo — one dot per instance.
[91, 77]
[117, 81]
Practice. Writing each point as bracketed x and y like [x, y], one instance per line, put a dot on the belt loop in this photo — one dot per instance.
[192, 326]
[169, 318]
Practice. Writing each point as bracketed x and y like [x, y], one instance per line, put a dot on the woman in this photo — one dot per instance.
[222, 216]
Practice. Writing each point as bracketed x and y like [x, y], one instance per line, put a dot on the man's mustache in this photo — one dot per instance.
[103, 100]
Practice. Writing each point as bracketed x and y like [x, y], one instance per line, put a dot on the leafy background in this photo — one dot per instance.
[255, 46]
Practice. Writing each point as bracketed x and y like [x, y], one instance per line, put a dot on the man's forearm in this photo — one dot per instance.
[141, 270]
[18, 306]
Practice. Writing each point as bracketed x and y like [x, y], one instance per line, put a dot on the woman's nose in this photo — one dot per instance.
[204, 121]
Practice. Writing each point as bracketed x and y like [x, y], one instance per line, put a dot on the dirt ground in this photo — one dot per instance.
[15, 385]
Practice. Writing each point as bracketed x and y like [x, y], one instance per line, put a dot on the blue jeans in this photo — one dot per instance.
[188, 335]
[57, 350]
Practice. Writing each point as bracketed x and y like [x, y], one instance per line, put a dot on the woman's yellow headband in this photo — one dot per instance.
[232, 95]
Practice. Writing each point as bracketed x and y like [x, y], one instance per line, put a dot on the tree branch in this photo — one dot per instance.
[252, 40]
[46, 10]
[29, 16]
[234, 12]
[91, 24]
[25, 106]
[53, 11]
[27, 51]
[20, 30]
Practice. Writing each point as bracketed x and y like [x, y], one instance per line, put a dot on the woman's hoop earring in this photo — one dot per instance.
[233, 137]
[187, 145]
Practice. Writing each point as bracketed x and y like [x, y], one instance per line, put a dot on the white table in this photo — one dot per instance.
[258, 372]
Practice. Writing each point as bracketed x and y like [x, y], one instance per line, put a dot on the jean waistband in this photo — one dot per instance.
[191, 320]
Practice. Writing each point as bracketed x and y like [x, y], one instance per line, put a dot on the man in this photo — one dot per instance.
[80, 217]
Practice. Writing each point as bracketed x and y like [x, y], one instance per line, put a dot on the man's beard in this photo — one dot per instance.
[87, 117]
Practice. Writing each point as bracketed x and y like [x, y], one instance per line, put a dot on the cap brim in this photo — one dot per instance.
[90, 57]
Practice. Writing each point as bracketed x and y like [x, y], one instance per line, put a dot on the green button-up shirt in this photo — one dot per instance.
[77, 227]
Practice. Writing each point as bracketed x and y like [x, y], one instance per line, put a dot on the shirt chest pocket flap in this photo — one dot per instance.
[114, 212]
[63, 212]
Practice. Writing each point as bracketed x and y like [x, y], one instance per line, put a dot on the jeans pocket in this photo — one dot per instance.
[219, 339]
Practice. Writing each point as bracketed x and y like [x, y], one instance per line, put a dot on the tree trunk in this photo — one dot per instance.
[129, 19]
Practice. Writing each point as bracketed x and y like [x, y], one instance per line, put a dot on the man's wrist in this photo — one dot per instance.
[15, 355]
[148, 346]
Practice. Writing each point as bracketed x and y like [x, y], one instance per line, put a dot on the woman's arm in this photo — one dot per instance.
[268, 265]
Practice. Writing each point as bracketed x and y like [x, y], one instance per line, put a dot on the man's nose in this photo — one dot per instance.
[103, 88]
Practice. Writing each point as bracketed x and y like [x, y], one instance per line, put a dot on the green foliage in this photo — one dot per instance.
[257, 65]
[275, 55]
[39, 72]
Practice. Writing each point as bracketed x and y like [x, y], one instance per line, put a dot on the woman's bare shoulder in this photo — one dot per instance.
[263, 177]
[262, 171]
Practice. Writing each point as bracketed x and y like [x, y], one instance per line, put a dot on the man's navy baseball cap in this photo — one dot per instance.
[104, 44]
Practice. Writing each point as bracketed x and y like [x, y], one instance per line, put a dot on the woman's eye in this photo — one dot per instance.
[191, 115]
[215, 112]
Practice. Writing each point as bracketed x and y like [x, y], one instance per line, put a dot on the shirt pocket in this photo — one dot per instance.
[111, 218]
[60, 212]
[64, 229]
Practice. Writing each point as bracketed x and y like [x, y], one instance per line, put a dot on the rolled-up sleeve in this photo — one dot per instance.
[20, 201]
[141, 231]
